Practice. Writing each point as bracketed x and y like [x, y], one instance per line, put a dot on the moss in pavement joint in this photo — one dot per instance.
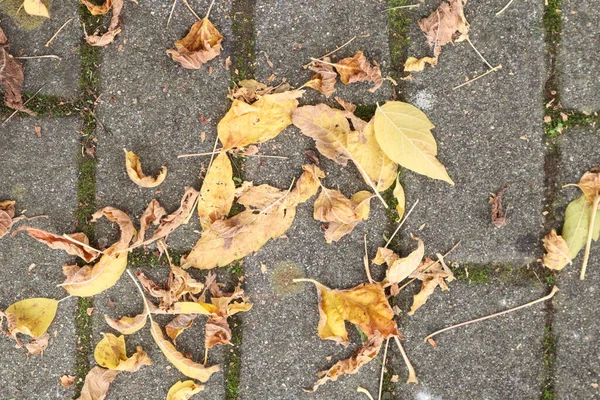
[483, 274]
[398, 26]
[83, 329]
[244, 57]
[549, 353]
[140, 258]
[233, 357]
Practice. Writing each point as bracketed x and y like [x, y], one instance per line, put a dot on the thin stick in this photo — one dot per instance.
[34, 57]
[552, 293]
[199, 154]
[479, 54]
[505, 7]
[192, 10]
[146, 305]
[331, 52]
[171, 13]
[64, 298]
[70, 239]
[401, 223]
[412, 376]
[433, 264]
[387, 342]
[209, 8]
[265, 156]
[407, 6]
[212, 156]
[28, 100]
[588, 245]
[366, 261]
[205, 355]
[496, 68]
[57, 32]
[324, 62]
[365, 391]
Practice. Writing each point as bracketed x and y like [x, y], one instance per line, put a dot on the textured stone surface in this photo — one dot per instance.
[60, 77]
[486, 360]
[575, 327]
[152, 106]
[577, 64]
[38, 175]
[489, 135]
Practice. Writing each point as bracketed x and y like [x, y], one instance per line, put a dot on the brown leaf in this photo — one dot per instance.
[324, 79]
[114, 28]
[178, 324]
[125, 225]
[151, 215]
[97, 383]
[358, 69]
[202, 44]
[60, 243]
[67, 380]
[7, 216]
[590, 184]
[11, 77]
[432, 276]
[38, 345]
[498, 217]
[133, 165]
[38, 131]
[342, 214]
[558, 254]
[98, 9]
[447, 24]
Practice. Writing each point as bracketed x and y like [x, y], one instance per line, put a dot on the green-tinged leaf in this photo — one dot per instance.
[577, 222]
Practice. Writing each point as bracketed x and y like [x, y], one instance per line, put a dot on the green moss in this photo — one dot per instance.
[399, 41]
[236, 268]
[234, 355]
[83, 329]
[484, 274]
[142, 258]
[548, 392]
[14, 9]
[365, 112]
[244, 57]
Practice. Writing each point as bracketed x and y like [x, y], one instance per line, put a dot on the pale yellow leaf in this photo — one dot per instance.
[184, 390]
[36, 7]
[217, 192]
[31, 316]
[127, 325]
[90, 280]
[111, 353]
[418, 64]
[400, 268]
[133, 165]
[400, 198]
[577, 223]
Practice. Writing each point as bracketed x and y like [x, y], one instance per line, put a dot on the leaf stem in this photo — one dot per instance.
[361, 389]
[366, 261]
[146, 305]
[588, 245]
[209, 9]
[412, 376]
[549, 296]
[57, 32]
[387, 343]
[192, 10]
[505, 7]
[401, 223]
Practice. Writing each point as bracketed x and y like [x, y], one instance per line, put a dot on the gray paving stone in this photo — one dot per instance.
[151, 106]
[152, 382]
[578, 65]
[575, 327]
[61, 78]
[496, 359]
[41, 175]
[489, 134]
[291, 32]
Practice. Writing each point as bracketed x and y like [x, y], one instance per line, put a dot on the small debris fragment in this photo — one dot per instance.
[498, 217]
[38, 131]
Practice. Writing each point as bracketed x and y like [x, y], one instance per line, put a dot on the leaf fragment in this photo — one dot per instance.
[38, 345]
[200, 45]
[590, 184]
[324, 79]
[111, 353]
[67, 380]
[432, 275]
[97, 383]
[11, 77]
[414, 64]
[447, 24]
[7, 216]
[557, 254]
[153, 213]
[184, 390]
[133, 165]
[127, 325]
[498, 217]
[95, 9]
[217, 192]
[399, 268]
[359, 69]
[341, 213]
[178, 324]
[400, 198]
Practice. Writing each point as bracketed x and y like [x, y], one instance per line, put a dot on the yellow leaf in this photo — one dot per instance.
[217, 192]
[190, 307]
[111, 353]
[200, 45]
[134, 170]
[97, 383]
[183, 390]
[342, 214]
[184, 365]
[89, 281]
[432, 275]
[418, 64]
[557, 251]
[246, 124]
[127, 325]
[365, 306]
[400, 268]
[36, 7]
[399, 195]
[31, 316]
[404, 133]
[178, 324]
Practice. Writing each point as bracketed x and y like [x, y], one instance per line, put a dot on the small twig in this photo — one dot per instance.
[401, 223]
[365, 391]
[209, 8]
[366, 261]
[200, 154]
[331, 52]
[387, 343]
[70, 239]
[590, 234]
[28, 100]
[64, 298]
[479, 54]
[324, 62]
[407, 6]
[192, 10]
[212, 156]
[146, 305]
[505, 7]
[433, 264]
[34, 57]
[496, 68]
[171, 13]
[205, 355]
[57, 32]
[549, 296]
[412, 376]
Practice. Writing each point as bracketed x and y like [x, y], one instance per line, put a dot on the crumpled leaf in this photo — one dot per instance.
[217, 192]
[200, 45]
[250, 90]
[7, 216]
[184, 390]
[590, 184]
[331, 131]
[38, 345]
[447, 24]
[30, 317]
[133, 165]
[11, 77]
[180, 283]
[95, 9]
[67, 380]
[179, 324]
[97, 383]
[404, 134]
[111, 353]
[498, 216]
[324, 79]
[97, 39]
[432, 277]
[343, 214]
[359, 69]
[184, 365]
[400, 198]
[246, 124]
[557, 254]
[151, 215]
[231, 239]
[55, 241]
[577, 223]
[414, 64]
[362, 356]
[36, 8]
[127, 325]
[399, 268]
[365, 306]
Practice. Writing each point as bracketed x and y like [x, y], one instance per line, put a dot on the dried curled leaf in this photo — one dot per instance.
[404, 134]
[90, 280]
[577, 223]
[447, 24]
[178, 324]
[217, 192]
[200, 45]
[246, 124]
[590, 184]
[111, 353]
[133, 165]
[30, 317]
[151, 215]
[362, 356]
[414, 64]
[324, 79]
[97, 383]
[343, 214]
[399, 268]
[95, 9]
[184, 390]
[359, 69]
[432, 275]
[127, 325]
[67, 380]
[11, 77]
[114, 28]
[180, 283]
[7, 216]
[400, 198]
[498, 216]
[38, 345]
[557, 254]
[178, 217]
[36, 8]
[54, 241]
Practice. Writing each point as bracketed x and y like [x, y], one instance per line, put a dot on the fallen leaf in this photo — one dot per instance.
[38, 345]
[90, 280]
[7, 216]
[57, 242]
[36, 8]
[184, 390]
[342, 214]
[178, 324]
[404, 134]
[324, 79]
[180, 283]
[590, 185]
[359, 69]
[399, 268]
[431, 276]
[557, 254]
[38, 131]
[127, 325]
[447, 24]
[400, 198]
[498, 217]
[217, 192]
[200, 45]
[97, 383]
[97, 39]
[577, 223]
[133, 165]
[151, 215]
[111, 353]
[67, 380]
[11, 77]
[30, 317]
[98, 9]
[418, 64]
